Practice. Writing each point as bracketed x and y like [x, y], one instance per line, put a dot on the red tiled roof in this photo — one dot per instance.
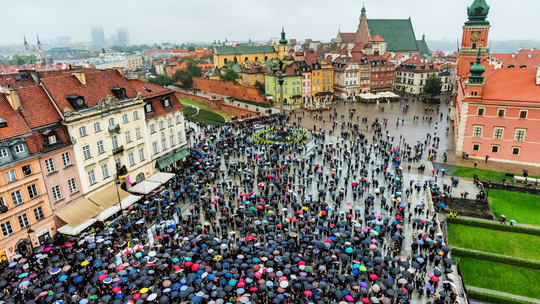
[37, 108]
[386, 55]
[15, 123]
[176, 105]
[519, 59]
[348, 37]
[377, 38]
[199, 48]
[357, 48]
[150, 52]
[512, 85]
[254, 68]
[97, 87]
[418, 61]
[155, 90]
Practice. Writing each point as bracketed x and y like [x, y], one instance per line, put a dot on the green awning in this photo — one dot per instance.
[171, 158]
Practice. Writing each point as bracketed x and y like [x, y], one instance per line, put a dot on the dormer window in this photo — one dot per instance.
[148, 108]
[166, 102]
[118, 92]
[50, 137]
[76, 101]
[3, 123]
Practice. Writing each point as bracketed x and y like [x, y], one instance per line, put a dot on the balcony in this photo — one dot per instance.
[118, 150]
[114, 129]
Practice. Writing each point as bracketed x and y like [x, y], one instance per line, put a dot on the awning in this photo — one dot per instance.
[170, 158]
[80, 212]
[160, 177]
[130, 200]
[108, 196]
[107, 213]
[144, 187]
[70, 230]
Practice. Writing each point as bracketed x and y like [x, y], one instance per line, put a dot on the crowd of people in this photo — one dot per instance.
[246, 221]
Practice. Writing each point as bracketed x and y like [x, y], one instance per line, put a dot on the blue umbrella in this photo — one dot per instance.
[62, 278]
[119, 295]
[78, 279]
[420, 242]
[195, 299]
[420, 260]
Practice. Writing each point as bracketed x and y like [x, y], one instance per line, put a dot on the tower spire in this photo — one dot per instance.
[25, 43]
[38, 39]
[477, 70]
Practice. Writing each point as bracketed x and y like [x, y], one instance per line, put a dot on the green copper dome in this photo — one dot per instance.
[363, 10]
[477, 13]
[477, 71]
[283, 41]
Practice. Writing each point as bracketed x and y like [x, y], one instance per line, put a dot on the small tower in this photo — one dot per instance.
[39, 46]
[475, 84]
[26, 46]
[283, 47]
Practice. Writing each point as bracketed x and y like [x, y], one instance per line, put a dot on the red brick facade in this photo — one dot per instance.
[227, 88]
[218, 104]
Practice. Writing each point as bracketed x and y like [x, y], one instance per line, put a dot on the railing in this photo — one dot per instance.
[114, 129]
[118, 150]
[465, 292]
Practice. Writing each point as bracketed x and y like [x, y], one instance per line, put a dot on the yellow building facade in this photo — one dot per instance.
[322, 76]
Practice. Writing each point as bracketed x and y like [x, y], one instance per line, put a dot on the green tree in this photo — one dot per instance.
[229, 75]
[162, 80]
[103, 51]
[191, 48]
[260, 86]
[433, 85]
[184, 76]
[193, 69]
[152, 70]
[51, 61]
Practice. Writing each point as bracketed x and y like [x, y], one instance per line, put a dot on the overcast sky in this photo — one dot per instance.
[205, 20]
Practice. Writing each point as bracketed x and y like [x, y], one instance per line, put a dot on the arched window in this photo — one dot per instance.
[225, 61]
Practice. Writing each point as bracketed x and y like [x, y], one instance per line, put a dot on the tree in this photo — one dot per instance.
[161, 80]
[51, 61]
[229, 75]
[184, 76]
[433, 85]
[191, 48]
[193, 69]
[260, 86]
[152, 70]
[103, 51]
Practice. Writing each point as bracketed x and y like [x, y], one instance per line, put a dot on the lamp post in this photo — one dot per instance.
[281, 111]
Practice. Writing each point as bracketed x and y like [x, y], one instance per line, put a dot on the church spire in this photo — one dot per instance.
[363, 11]
[38, 40]
[283, 41]
[477, 71]
[477, 13]
[25, 43]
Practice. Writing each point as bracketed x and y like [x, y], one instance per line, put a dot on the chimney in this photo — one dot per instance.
[530, 54]
[13, 98]
[513, 55]
[538, 76]
[120, 70]
[80, 75]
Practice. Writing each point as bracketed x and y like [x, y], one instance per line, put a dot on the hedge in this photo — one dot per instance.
[460, 252]
[258, 104]
[496, 299]
[494, 226]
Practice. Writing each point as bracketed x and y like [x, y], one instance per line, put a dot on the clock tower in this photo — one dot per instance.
[475, 36]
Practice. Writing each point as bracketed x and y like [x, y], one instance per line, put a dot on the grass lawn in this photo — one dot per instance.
[205, 118]
[501, 242]
[516, 206]
[469, 172]
[501, 277]
[205, 107]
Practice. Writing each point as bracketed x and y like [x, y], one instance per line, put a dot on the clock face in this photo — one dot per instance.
[475, 36]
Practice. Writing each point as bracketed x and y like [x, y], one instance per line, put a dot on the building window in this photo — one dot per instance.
[111, 123]
[141, 155]
[118, 162]
[138, 132]
[105, 171]
[135, 115]
[32, 191]
[86, 152]
[171, 140]
[66, 158]
[498, 134]
[23, 220]
[520, 135]
[128, 137]
[477, 131]
[501, 112]
[152, 129]
[27, 170]
[91, 177]
[177, 119]
[114, 141]
[494, 149]
[19, 149]
[166, 103]
[2, 202]
[38, 213]
[154, 147]
[97, 127]
[3, 153]
[161, 125]
[11, 176]
[17, 198]
[163, 144]
[179, 137]
[170, 122]
[515, 150]
[476, 147]
[52, 139]
[82, 131]
[72, 186]
[7, 230]
[125, 118]
[523, 113]
[131, 158]
[49, 164]
[56, 193]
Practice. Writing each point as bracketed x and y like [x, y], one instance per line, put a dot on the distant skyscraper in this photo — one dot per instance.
[123, 36]
[64, 40]
[98, 37]
[114, 38]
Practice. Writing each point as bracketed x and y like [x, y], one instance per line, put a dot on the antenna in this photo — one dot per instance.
[457, 43]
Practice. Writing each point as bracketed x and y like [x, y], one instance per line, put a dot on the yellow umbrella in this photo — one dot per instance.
[85, 263]
[144, 290]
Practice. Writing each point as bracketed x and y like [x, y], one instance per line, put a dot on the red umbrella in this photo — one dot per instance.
[117, 289]
[102, 277]
[398, 217]
[195, 267]
[373, 276]
[260, 207]
[68, 244]
[308, 293]
[365, 300]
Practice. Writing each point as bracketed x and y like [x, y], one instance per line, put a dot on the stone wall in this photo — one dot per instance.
[227, 88]
[219, 104]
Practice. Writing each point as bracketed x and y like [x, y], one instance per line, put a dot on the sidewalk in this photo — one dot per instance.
[502, 294]
[497, 222]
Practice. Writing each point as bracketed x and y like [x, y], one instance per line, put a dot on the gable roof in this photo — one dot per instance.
[423, 48]
[231, 50]
[512, 85]
[398, 33]
[347, 37]
[37, 108]
[148, 89]
[97, 87]
[15, 123]
[377, 38]
[520, 58]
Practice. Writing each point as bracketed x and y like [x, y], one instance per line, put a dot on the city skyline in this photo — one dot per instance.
[426, 19]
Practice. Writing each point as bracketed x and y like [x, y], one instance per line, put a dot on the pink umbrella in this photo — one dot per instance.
[349, 298]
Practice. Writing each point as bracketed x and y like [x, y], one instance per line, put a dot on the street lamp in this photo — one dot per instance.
[280, 82]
